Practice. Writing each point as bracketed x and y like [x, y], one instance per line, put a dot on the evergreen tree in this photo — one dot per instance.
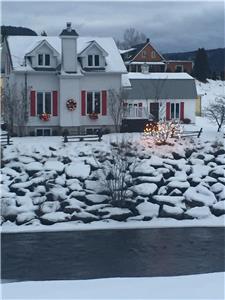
[201, 65]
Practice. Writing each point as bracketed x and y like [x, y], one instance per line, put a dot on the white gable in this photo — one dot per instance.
[20, 45]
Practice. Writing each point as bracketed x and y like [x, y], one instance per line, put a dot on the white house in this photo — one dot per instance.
[67, 79]
[159, 96]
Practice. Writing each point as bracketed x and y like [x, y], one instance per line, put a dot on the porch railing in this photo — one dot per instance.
[136, 113]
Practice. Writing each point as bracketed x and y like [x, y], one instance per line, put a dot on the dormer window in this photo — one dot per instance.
[44, 60]
[93, 60]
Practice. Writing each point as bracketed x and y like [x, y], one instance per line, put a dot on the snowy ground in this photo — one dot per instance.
[47, 185]
[204, 286]
[210, 90]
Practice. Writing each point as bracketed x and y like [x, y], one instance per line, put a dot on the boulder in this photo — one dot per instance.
[145, 189]
[54, 217]
[49, 207]
[218, 209]
[147, 209]
[199, 196]
[198, 212]
[171, 212]
[24, 217]
[83, 216]
[77, 170]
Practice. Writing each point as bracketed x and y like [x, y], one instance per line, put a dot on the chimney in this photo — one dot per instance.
[68, 26]
[69, 49]
[147, 40]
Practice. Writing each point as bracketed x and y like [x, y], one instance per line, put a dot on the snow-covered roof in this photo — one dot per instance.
[19, 46]
[126, 50]
[133, 75]
[144, 62]
[125, 81]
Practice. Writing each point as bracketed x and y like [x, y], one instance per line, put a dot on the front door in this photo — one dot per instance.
[154, 110]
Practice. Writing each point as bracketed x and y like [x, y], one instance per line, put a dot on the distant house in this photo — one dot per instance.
[154, 96]
[67, 79]
[145, 55]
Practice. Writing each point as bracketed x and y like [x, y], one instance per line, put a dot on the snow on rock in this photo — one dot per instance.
[57, 193]
[54, 165]
[26, 159]
[144, 189]
[179, 184]
[78, 170]
[74, 184]
[54, 217]
[95, 198]
[24, 217]
[173, 200]
[168, 211]
[178, 176]
[34, 167]
[49, 206]
[116, 213]
[156, 179]
[9, 171]
[83, 216]
[143, 167]
[218, 208]
[199, 196]
[96, 186]
[148, 209]
[200, 170]
[198, 212]
[217, 188]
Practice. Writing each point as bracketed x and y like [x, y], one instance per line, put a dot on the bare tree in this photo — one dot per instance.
[15, 106]
[131, 37]
[116, 106]
[215, 112]
[115, 169]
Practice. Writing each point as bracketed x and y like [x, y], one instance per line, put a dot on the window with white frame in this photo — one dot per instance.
[179, 68]
[44, 103]
[175, 110]
[93, 60]
[93, 102]
[153, 54]
[44, 60]
[43, 132]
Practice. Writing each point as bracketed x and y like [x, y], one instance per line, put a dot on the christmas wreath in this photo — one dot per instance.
[44, 117]
[71, 104]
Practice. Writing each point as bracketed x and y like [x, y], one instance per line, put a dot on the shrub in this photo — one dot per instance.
[186, 121]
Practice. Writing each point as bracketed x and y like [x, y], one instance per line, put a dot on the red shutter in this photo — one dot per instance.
[182, 110]
[55, 103]
[104, 103]
[32, 103]
[83, 103]
[140, 104]
[167, 110]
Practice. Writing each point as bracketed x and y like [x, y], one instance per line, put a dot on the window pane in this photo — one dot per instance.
[177, 110]
[90, 60]
[47, 132]
[47, 59]
[48, 106]
[39, 103]
[172, 110]
[96, 60]
[40, 59]
[89, 103]
[97, 103]
[39, 132]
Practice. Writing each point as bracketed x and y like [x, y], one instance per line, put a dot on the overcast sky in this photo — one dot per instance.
[171, 26]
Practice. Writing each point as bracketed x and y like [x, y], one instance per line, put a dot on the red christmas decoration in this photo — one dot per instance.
[93, 116]
[44, 117]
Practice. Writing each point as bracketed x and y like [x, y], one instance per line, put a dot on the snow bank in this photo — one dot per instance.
[203, 286]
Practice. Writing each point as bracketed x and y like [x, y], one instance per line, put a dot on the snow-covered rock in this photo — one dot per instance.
[116, 213]
[33, 167]
[147, 209]
[168, 211]
[217, 188]
[153, 179]
[95, 198]
[78, 170]
[218, 208]
[54, 165]
[171, 200]
[198, 212]
[24, 217]
[83, 216]
[145, 189]
[142, 168]
[178, 184]
[199, 196]
[54, 217]
[49, 206]
[200, 170]
[96, 186]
